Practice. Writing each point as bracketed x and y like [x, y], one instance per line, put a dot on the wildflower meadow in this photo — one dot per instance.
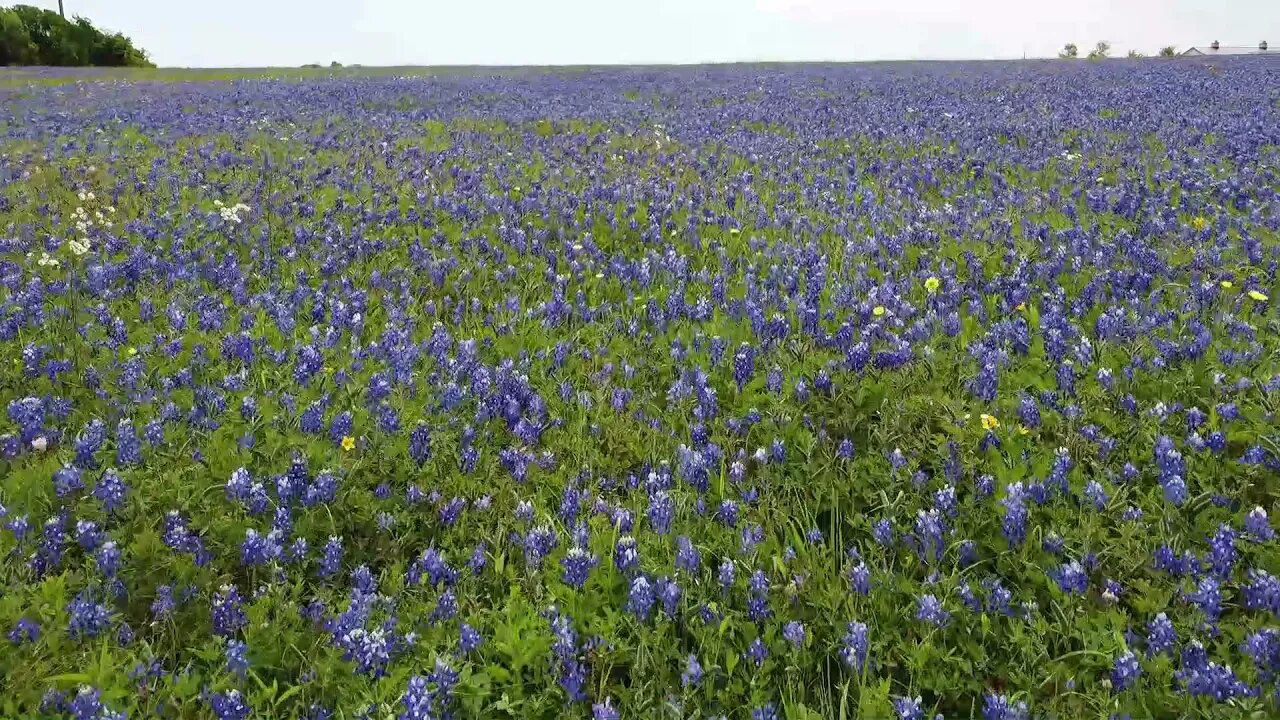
[764, 392]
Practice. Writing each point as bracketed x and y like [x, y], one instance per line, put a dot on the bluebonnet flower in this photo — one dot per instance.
[661, 512]
[475, 564]
[725, 575]
[228, 615]
[28, 414]
[88, 535]
[1172, 471]
[107, 559]
[692, 674]
[1161, 636]
[669, 594]
[469, 639]
[312, 420]
[128, 445]
[882, 532]
[420, 443]
[853, 650]
[1222, 551]
[985, 485]
[88, 617]
[1208, 597]
[793, 632]
[89, 442]
[1257, 525]
[323, 489]
[1028, 412]
[930, 610]
[24, 631]
[331, 559]
[687, 556]
[625, 555]
[577, 565]
[605, 711]
[229, 705]
[1096, 495]
[908, 708]
[757, 652]
[743, 365]
[163, 605]
[259, 549]
[1000, 707]
[1262, 592]
[1071, 577]
[1015, 514]
[87, 705]
[1263, 648]
[860, 578]
[928, 536]
[997, 597]
[111, 491]
[1125, 671]
[1218, 682]
[728, 513]
[765, 712]
[53, 702]
[641, 598]
[67, 480]
[1217, 441]
[451, 511]
[446, 608]
[236, 660]
[341, 427]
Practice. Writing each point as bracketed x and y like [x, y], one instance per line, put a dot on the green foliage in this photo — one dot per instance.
[35, 36]
[1069, 51]
[1167, 51]
[1100, 51]
[1136, 54]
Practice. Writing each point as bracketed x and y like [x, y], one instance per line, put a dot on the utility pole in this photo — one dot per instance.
[60, 11]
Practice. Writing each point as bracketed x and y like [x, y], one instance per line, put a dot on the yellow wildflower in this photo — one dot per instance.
[1227, 284]
[1260, 297]
[348, 443]
[1021, 307]
[931, 284]
[1199, 223]
[989, 422]
[878, 310]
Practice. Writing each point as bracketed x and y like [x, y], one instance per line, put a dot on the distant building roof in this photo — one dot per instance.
[1216, 49]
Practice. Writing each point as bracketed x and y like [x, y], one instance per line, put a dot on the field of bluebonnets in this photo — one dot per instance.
[751, 392]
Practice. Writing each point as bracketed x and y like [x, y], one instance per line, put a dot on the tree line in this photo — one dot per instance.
[1103, 49]
[35, 36]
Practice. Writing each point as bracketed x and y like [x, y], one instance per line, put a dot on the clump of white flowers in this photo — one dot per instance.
[47, 260]
[78, 247]
[84, 219]
[231, 213]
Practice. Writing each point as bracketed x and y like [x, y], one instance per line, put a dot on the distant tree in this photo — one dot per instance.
[35, 36]
[1069, 51]
[15, 41]
[1136, 54]
[1100, 51]
[335, 64]
[1168, 51]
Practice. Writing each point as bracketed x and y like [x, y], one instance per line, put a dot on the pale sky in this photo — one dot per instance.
[256, 33]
